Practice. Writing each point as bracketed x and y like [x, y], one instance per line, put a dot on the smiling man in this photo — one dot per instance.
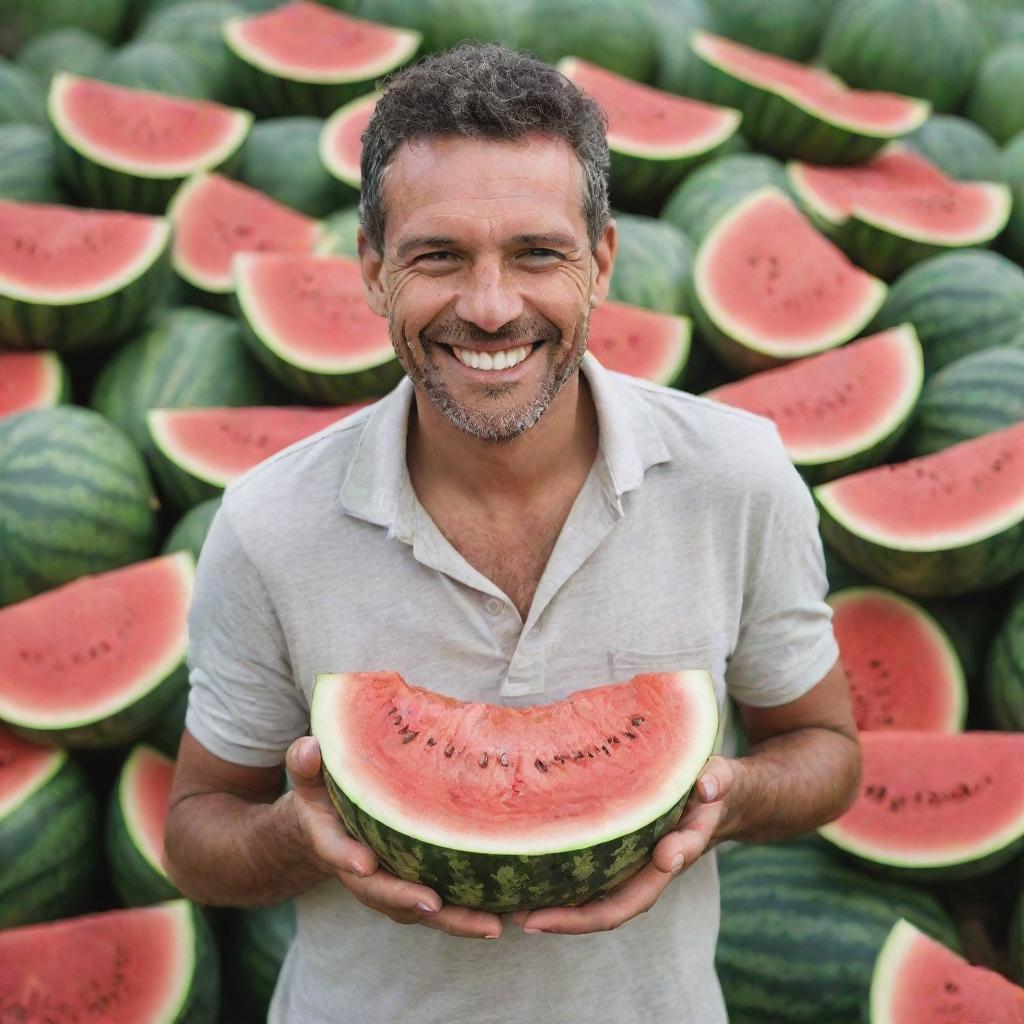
[511, 524]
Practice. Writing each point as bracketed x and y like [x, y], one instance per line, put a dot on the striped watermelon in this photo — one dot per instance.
[62, 49]
[28, 165]
[1013, 175]
[75, 498]
[189, 533]
[49, 833]
[31, 380]
[653, 265]
[957, 146]
[258, 944]
[157, 67]
[1004, 672]
[999, 77]
[22, 100]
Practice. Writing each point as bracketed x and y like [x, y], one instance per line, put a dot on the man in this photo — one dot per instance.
[511, 524]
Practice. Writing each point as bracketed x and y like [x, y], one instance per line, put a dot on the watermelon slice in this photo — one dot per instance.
[796, 111]
[309, 325]
[144, 966]
[73, 278]
[341, 140]
[898, 209]
[48, 833]
[654, 137]
[304, 58]
[918, 979]
[135, 828]
[31, 380]
[842, 410]
[103, 686]
[214, 218]
[201, 451]
[903, 669]
[131, 148]
[770, 289]
[942, 524]
[640, 342]
[935, 805]
[506, 808]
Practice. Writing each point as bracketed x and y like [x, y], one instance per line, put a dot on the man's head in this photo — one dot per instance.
[485, 230]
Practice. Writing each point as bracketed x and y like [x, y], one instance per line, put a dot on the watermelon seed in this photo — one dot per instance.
[606, 750]
[431, 742]
[503, 760]
[540, 765]
[411, 736]
[637, 720]
[449, 750]
[483, 760]
[629, 735]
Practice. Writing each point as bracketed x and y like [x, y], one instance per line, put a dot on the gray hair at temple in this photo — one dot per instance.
[483, 91]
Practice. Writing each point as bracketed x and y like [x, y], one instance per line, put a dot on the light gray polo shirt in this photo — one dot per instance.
[692, 544]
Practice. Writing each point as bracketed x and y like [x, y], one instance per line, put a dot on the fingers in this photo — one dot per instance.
[303, 763]
[716, 780]
[688, 840]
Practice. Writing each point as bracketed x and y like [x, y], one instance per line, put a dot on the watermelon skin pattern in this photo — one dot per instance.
[259, 942]
[1004, 672]
[28, 165]
[49, 851]
[654, 265]
[502, 884]
[800, 932]
[75, 498]
[957, 146]
[189, 533]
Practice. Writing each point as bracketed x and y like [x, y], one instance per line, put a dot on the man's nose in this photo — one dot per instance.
[489, 297]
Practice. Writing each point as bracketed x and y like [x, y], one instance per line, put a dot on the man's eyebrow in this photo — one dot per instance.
[424, 242]
[558, 241]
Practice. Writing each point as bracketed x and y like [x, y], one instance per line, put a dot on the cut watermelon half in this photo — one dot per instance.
[770, 288]
[203, 450]
[215, 218]
[793, 110]
[898, 208]
[341, 140]
[654, 137]
[505, 808]
[149, 134]
[903, 669]
[31, 380]
[917, 979]
[942, 524]
[144, 966]
[839, 411]
[935, 805]
[105, 684]
[640, 342]
[25, 768]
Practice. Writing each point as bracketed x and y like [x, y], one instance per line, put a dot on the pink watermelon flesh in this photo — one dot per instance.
[838, 402]
[341, 146]
[929, 799]
[145, 797]
[939, 499]
[215, 218]
[901, 190]
[312, 311]
[28, 380]
[544, 791]
[219, 445]
[310, 41]
[143, 131]
[919, 981]
[639, 341]
[24, 767]
[877, 113]
[89, 648]
[62, 254]
[767, 277]
[903, 672]
[120, 967]
[642, 118]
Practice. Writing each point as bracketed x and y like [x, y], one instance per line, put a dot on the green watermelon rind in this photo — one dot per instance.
[332, 125]
[49, 846]
[1004, 669]
[136, 877]
[259, 942]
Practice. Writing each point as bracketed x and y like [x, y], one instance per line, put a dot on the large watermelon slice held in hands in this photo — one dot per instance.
[504, 808]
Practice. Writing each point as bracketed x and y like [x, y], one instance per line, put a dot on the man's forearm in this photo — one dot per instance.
[240, 853]
[789, 785]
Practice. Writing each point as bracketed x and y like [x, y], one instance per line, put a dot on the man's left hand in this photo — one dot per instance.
[698, 828]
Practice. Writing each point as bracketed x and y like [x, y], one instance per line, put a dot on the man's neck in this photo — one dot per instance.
[501, 475]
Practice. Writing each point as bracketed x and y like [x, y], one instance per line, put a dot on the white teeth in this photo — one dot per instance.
[488, 361]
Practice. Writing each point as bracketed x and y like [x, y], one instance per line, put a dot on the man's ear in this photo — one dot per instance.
[604, 263]
[372, 265]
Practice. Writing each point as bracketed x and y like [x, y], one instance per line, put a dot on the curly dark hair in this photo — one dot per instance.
[486, 91]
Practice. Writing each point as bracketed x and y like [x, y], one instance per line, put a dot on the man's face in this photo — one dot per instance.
[487, 276]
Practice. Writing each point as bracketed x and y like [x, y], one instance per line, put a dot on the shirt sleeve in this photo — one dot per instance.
[785, 642]
[244, 705]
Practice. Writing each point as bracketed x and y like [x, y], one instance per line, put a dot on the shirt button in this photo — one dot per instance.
[493, 605]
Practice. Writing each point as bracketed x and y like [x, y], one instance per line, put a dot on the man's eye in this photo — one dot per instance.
[536, 254]
[434, 257]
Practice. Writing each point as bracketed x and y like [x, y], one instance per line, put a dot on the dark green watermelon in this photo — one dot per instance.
[653, 266]
[957, 146]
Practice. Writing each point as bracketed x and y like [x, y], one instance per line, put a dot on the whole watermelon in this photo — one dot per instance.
[1013, 175]
[63, 49]
[157, 67]
[1004, 672]
[653, 266]
[791, 29]
[676, 67]
[990, 103]
[28, 165]
[957, 146]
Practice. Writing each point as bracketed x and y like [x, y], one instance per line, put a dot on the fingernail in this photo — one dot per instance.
[427, 908]
[710, 789]
[678, 861]
[356, 869]
[533, 931]
[308, 748]
[490, 936]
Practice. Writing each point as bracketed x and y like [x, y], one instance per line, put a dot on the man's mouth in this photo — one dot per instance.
[478, 359]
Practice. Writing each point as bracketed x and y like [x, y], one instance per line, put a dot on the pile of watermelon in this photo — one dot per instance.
[820, 207]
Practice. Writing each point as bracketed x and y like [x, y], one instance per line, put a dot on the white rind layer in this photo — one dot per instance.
[10, 802]
[157, 420]
[240, 123]
[127, 797]
[889, 968]
[704, 725]
[342, 170]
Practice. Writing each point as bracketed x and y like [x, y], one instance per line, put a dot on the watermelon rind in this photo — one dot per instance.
[28, 165]
[1004, 669]
[53, 389]
[49, 846]
[653, 264]
[259, 941]
[514, 872]
[884, 246]
[348, 173]
[778, 120]
[965, 151]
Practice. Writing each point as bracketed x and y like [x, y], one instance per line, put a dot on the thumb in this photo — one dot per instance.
[303, 763]
[715, 780]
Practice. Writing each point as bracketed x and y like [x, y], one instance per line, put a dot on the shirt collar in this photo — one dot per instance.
[376, 484]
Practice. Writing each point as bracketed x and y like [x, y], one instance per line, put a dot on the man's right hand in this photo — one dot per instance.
[356, 866]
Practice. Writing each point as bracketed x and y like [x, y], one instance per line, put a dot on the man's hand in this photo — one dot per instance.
[356, 866]
[697, 830]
